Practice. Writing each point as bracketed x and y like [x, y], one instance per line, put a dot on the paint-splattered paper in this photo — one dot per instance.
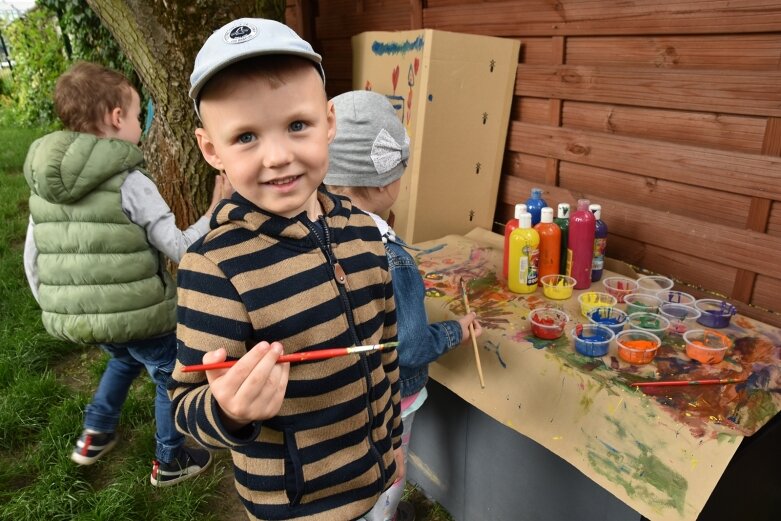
[661, 451]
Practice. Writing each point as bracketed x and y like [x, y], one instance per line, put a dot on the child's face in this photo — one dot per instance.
[272, 143]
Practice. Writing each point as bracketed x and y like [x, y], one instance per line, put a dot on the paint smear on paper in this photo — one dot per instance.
[383, 48]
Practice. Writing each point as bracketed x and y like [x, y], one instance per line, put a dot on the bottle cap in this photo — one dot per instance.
[536, 193]
[525, 220]
[546, 215]
[583, 204]
[519, 209]
[596, 209]
[563, 211]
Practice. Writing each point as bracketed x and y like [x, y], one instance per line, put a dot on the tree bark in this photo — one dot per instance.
[161, 39]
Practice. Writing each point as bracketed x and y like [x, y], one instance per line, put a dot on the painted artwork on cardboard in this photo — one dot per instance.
[707, 410]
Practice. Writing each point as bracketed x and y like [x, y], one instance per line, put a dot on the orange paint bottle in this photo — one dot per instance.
[550, 243]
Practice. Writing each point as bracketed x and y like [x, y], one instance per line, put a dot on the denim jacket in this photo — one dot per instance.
[420, 343]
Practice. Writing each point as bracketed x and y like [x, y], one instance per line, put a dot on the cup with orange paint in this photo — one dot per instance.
[637, 346]
[706, 346]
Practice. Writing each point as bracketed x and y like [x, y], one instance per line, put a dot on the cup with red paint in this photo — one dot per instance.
[548, 323]
[619, 287]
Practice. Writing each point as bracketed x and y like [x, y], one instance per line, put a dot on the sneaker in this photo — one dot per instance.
[91, 446]
[188, 462]
[405, 511]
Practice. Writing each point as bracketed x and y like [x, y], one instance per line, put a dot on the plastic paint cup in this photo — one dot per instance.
[612, 318]
[557, 287]
[680, 317]
[619, 287]
[652, 284]
[706, 346]
[651, 322]
[548, 323]
[594, 299]
[642, 303]
[636, 346]
[591, 339]
[714, 313]
[676, 297]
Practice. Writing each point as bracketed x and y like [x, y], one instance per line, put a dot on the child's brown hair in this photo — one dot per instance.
[86, 93]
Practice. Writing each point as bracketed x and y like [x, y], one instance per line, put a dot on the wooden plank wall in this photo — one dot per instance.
[667, 112]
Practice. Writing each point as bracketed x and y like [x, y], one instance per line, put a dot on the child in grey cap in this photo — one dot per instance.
[367, 159]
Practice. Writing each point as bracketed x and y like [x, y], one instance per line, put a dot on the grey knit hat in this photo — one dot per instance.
[371, 147]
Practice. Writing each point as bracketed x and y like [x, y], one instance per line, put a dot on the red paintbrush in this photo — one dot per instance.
[320, 354]
[660, 383]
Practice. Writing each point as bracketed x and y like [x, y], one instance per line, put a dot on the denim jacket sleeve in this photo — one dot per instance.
[420, 343]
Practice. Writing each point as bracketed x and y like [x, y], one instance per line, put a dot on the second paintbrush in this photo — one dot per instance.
[319, 354]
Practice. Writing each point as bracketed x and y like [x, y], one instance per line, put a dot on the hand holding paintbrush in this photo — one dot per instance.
[252, 388]
[472, 333]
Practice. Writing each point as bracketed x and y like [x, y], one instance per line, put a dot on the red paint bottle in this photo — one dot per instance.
[580, 244]
[508, 229]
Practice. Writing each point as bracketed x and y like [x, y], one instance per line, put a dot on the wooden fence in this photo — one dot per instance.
[668, 113]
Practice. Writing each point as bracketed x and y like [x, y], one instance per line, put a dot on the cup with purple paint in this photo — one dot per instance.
[681, 317]
[714, 313]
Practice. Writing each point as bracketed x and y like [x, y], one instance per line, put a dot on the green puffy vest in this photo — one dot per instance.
[100, 280]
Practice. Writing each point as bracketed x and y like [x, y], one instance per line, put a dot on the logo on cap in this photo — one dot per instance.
[240, 33]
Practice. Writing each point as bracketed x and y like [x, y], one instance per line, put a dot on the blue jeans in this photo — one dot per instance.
[158, 356]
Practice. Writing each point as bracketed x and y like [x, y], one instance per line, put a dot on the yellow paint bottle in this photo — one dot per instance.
[523, 265]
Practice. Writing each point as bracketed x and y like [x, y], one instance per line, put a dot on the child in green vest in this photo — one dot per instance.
[93, 256]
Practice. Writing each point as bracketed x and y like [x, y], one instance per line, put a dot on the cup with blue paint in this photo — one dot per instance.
[612, 318]
[592, 339]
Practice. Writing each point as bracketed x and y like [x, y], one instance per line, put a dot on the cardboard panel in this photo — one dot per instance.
[453, 92]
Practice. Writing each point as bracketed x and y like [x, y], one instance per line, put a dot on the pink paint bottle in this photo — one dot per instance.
[508, 229]
[580, 244]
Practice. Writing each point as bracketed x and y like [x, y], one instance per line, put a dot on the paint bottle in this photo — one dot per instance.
[562, 221]
[600, 243]
[534, 204]
[508, 229]
[522, 272]
[550, 243]
[580, 244]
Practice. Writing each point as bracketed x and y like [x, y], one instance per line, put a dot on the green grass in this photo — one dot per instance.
[45, 385]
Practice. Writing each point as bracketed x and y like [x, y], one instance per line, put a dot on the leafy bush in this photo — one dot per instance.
[39, 57]
[44, 43]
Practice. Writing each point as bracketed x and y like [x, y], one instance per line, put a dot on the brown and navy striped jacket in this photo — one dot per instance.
[328, 454]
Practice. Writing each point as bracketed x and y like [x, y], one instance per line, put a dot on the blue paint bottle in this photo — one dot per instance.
[600, 243]
[535, 204]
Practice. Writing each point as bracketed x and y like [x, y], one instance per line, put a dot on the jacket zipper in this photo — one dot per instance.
[341, 281]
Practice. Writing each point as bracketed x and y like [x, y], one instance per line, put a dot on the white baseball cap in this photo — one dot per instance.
[245, 38]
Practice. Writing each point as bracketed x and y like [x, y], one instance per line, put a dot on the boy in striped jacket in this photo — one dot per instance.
[285, 268]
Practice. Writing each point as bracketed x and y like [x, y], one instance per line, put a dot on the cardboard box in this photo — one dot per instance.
[453, 92]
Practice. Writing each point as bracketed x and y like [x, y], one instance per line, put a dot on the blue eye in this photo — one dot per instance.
[246, 137]
[297, 126]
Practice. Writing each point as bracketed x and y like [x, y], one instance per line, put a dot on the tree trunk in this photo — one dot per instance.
[161, 39]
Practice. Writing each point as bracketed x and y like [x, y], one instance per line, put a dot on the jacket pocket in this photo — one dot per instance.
[294, 473]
